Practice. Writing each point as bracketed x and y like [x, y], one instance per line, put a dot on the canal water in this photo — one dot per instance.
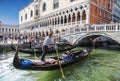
[100, 65]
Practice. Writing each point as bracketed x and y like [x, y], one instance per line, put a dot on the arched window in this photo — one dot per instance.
[6, 29]
[55, 4]
[44, 7]
[36, 13]
[84, 15]
[31, 13]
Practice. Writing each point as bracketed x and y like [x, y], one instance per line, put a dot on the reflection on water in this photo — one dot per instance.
[100, 65]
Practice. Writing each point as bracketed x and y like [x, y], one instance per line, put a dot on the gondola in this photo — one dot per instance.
[48, 66]
[59, 44]
[39, 51]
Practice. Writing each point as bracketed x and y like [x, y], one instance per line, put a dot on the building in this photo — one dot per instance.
[7, 31]
[42, 16]
[116, 11]
[100, 11]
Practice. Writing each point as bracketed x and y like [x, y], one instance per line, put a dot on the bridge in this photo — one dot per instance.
[78, 33]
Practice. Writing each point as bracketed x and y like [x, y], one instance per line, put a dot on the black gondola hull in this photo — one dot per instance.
[39, 51]
[47, 67]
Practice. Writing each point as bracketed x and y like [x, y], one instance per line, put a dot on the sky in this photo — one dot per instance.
[9, 10]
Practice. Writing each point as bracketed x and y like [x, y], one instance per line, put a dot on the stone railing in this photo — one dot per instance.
[92, 28]
[72, 34]
[29, 25]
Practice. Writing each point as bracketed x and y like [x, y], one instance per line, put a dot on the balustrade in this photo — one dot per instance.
[93, 28]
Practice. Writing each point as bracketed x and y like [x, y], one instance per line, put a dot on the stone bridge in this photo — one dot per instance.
[78, 33]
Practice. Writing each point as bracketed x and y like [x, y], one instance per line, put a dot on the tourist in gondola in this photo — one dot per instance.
[46, 45]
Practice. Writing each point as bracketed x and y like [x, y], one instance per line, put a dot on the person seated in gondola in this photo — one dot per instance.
[67, 56]
[84, 52]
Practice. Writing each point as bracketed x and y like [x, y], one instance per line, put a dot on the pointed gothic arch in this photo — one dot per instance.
[78, 16]
[58, 20]
[43, 34]
[84, 15]
[47, 33]
[39, 33]
[73, 17]
[65, 19]
[69, 18]
[61, 19]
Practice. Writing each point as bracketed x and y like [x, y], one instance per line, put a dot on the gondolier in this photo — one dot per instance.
[46, 45]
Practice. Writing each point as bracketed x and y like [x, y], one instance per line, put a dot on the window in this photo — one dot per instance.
[25, 16]
[55, 4]
[36, 13]
[72, 0]
[6, 29]
[3, 29]
[21, 18]
[99, 12]
[9, 30]
[109, 4]
[44, 7]
[31, 13]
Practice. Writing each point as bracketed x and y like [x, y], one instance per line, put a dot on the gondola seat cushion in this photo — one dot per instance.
[68, 58]
[25, 63]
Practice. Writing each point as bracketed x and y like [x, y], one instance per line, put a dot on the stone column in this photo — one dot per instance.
[87, 17]
[63, 20]
[54, 21]
[60, 20]
[81, 13]
[81, 18]
[71, 19]
[57, 21]
[87, 9]
[49, 22]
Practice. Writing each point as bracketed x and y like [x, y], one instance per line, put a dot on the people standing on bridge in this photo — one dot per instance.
[46, 45]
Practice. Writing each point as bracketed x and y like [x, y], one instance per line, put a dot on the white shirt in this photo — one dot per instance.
[47, 41]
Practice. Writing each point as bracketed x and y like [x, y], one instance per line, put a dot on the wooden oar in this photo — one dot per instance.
[35, 56]
[59, 63]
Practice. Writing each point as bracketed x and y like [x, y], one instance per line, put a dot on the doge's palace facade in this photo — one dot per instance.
[42, 16]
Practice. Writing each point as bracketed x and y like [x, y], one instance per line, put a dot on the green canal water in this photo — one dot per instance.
[100, 65]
